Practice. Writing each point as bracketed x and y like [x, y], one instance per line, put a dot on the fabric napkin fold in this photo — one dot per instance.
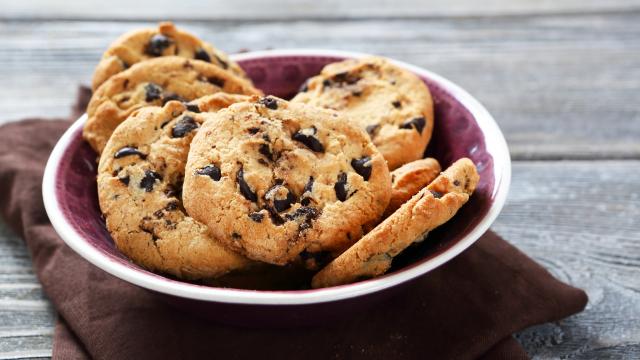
[466, 309]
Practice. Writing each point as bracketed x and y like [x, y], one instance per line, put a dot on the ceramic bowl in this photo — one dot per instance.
[463, 128]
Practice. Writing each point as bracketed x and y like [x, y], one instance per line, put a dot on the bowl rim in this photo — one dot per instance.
[495, 143]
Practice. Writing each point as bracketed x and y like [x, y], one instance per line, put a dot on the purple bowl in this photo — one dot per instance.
[463, 128]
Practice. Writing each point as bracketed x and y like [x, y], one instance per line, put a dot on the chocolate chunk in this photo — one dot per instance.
[265, 150]
[308, 137]
[184, 126]
[371, 129]
[201, 54]
[257, 217]
[306, 192]
[149, 180]
[362, 166]
[211, 171]
[128, 151]
[415, 123]
[341, 187]
[269, 102]
[396, 104]
[124, 180]
[171, 97]
[172, 205]
[280, 197]
[276, 219]
[152, 92]
[216, 81]
[245, 189]
[157, 44]
[436, 194]
[222, 63]
[193, 108]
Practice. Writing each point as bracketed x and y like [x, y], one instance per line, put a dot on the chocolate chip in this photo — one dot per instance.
[253, 130]
[201, 54]
[157, 44]
[211, 171]
[396, 104]
[356, 93]
[309, 215]
[152, 92]
[257, 217]
[184, 126]
[265, 150]
[436, 194]
[222, 63]
[269, 102]
[345, 77]
[415, 123]
[341, 187]
[128, 151]
[158, 214]
[326, 83]
[371, 129]
[308, 137]
[304, 87]
[149, 180]
[124, 180]
[236, 236]
[280, 198]
[172, 205]
[456, 182]
[125, 84]
[216, 81]
[362, 166]
[171, 97]
[245, 189]
[276, 219]
[306, 192]
[193, 108]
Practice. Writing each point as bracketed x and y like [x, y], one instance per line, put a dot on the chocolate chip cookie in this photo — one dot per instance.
[428, 209]
[139, 184]
[167, 40]
[281, 182]
[154, 82]
[393, 105]
[410, 178]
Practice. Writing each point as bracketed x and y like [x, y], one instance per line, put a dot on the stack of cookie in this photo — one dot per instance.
[200, 175]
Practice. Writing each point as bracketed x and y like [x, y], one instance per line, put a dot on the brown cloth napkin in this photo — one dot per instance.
[466, 309]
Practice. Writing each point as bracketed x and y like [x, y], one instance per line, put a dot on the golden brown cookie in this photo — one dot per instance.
[154, 82]
[410, 178]
[431, 207]
[392, 104]
[139, 181]
[274, 180]
[167, 40]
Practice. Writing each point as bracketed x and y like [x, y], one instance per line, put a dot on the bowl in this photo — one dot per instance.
[463, 128]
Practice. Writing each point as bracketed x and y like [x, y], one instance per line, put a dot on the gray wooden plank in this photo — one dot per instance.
[560, 86]
[579, 219]
[295, 9]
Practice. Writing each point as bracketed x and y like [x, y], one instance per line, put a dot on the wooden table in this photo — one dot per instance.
[561, 78]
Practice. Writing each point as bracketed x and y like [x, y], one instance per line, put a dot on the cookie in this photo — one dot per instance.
[154, 82]
[410, 178]
[139, 184]
[281, 182]
[393, 105]
[144, 44]
[428, 209]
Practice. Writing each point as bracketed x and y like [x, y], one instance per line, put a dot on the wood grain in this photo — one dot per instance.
[560, 86]
[298, 9]
[578, 219]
